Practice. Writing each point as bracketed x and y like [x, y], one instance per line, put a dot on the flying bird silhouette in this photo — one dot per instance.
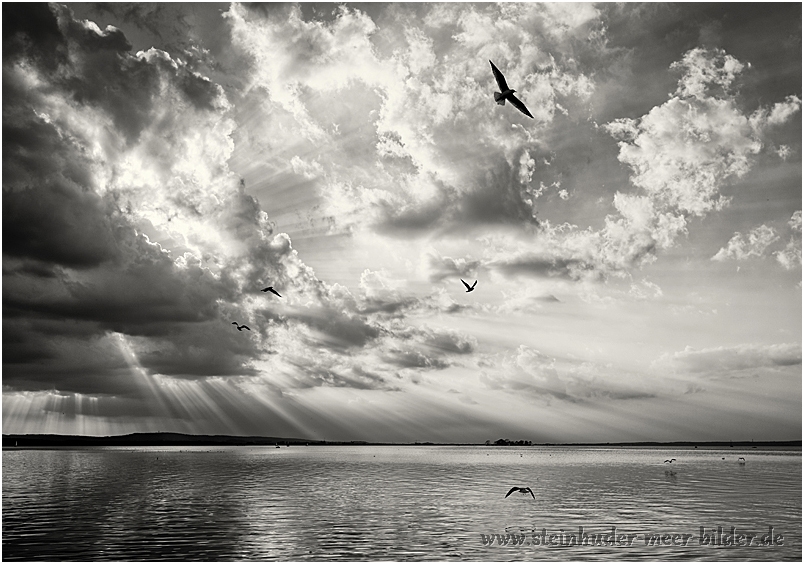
[507, 93]
[520, 490]
[468, 287]
[240, 327]
[670, 461]
[271, 289]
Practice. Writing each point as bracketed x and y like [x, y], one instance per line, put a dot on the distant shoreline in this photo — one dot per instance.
[179, 439]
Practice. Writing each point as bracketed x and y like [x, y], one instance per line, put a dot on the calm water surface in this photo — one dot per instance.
[394, 503]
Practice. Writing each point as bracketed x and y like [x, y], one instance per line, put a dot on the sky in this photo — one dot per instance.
[636, 245]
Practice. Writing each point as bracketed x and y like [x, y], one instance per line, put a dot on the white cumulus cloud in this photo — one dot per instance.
[741, 247]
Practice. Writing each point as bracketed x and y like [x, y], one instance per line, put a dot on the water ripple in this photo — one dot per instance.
[389, 503]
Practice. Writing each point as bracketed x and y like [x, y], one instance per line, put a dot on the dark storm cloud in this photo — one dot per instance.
[101, 72]
[141, 288]
[153, 17]
[77, 267]
[23, 347]
[110, 39]
[31, 30]
[50, 212]
[208, 349]
[177, 313]
[59, 223]
[203, 93]
[37, 360]
[33, 149]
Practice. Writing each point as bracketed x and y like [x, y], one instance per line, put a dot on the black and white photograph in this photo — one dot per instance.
[401, 282]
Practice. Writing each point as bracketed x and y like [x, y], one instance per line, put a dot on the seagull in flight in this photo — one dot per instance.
[468, 287]
[240, 327]
[670, 461]
[271, 289]
[507, 93]
[520, 490]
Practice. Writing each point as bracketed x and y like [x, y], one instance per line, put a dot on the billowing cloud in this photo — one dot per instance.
[122, 216]
[627, 240]
[704, 72]
[417, 92]
[758, 240]
[753, 244]
[683, 151]
[681, 154]
[432, 169]
[139, 231]
[353, 158]
[790, 256]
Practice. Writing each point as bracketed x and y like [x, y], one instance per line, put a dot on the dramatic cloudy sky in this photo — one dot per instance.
[637, 245]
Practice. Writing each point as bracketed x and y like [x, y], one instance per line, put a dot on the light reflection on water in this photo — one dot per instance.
[388, 503]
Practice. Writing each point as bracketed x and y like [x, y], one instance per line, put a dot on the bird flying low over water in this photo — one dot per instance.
[271, 289]
[240, 327]
[670, 461]
[520, 490]
[468, 287]
[507, 93]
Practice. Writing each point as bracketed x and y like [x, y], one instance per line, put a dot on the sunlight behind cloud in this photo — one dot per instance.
[158, 175]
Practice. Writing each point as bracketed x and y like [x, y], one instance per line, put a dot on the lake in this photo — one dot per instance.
[400, 503]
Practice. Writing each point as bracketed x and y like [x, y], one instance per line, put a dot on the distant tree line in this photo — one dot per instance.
[507, 442]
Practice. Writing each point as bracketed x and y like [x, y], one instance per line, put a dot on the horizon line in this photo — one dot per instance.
[57, 436]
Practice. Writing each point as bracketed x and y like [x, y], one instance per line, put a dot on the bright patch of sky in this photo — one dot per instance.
[637, 245]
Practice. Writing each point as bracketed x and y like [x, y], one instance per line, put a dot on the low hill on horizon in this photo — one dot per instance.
[183, 439]
[147, 439]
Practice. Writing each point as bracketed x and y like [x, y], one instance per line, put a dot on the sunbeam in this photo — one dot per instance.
[162, 165]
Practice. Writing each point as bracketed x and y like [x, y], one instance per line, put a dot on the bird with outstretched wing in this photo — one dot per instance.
[507, 93]
[271, 289]
[520, 490]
